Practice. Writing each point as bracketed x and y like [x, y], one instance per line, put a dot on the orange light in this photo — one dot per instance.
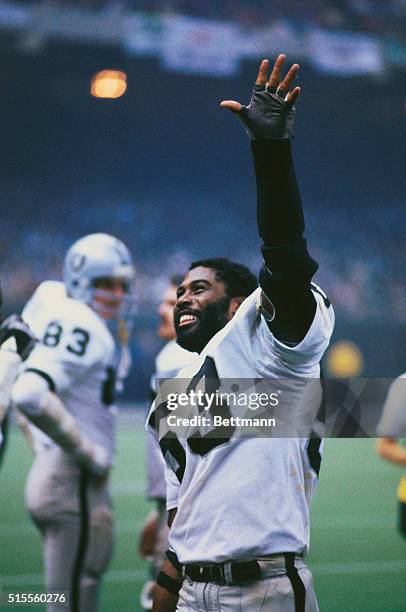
[108, 84]
[345, 359]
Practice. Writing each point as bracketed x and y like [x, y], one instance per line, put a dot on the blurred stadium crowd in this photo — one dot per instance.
[364, 15]
[368, 34]
[365, 277]
[376, 16]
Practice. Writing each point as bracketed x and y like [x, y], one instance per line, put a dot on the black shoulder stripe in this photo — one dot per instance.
[45, 376]
[323, 295]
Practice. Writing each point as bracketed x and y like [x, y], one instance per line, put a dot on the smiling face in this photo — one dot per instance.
[202, 308]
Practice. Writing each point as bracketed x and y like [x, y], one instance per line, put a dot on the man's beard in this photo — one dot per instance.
[211, 320]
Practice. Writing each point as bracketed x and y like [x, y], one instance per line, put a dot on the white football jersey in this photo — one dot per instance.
[169, 361]
[10, 363]
[248, 497]
[76, 355]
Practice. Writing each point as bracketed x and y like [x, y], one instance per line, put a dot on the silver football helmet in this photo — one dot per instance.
[94, 258]
[98, 270]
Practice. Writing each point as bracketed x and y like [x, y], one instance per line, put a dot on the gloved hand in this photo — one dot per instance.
[14, 327]
[271, 112]
[93, 458]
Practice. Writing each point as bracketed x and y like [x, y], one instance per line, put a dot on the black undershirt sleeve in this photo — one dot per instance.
[288, 268]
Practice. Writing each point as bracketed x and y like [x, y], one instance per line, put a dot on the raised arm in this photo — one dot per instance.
[287, 301]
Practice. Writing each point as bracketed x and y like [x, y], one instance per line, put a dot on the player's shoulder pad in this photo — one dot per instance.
[172, 358]
[317, 290]
[59, 321]
[324, 311]
[77, 314]
[46, 296]
[50, 301]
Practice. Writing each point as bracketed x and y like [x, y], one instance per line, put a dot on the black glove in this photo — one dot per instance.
[267, 115]
[14, 327]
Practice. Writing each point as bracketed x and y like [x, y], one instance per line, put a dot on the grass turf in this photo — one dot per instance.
[358, 558]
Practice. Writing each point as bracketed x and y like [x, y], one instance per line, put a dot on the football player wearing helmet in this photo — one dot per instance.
[240, 506]
[67, 393]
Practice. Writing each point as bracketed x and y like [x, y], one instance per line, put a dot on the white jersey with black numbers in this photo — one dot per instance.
[170, 360]
[248, 497]
[76, 355]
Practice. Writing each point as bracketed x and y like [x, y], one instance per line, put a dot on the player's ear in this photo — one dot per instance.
[235, 303]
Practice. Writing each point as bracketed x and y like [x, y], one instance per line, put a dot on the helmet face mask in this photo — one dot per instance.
[99, 272]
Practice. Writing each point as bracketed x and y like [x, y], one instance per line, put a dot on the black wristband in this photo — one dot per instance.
[168, 583]
[173, 558]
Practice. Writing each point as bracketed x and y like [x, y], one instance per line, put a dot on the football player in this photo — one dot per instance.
[391, 427]
[67, 391]
[16, 343]
[240, 507]
[169, 361]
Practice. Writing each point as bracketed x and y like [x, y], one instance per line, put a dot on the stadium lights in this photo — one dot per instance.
[108, 84]
[345, 359]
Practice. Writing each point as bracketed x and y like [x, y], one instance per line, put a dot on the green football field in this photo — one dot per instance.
[358, 559]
